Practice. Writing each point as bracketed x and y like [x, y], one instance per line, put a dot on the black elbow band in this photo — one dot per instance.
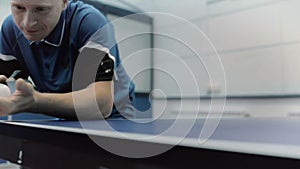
[105, 70]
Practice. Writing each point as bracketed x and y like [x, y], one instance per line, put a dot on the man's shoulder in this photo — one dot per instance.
[8, 22]
[79, 13]
[84, 19]
[9, 28]
[81, 8]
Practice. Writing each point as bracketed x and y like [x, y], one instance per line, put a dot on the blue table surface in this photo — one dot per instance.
[284, 131]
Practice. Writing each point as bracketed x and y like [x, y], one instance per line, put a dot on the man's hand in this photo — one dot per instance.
[21, 100]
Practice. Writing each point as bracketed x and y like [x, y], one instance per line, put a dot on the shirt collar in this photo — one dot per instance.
[56, 36]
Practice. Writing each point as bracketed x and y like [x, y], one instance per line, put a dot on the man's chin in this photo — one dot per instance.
[32, 38]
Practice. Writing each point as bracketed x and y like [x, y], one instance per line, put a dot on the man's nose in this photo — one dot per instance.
[29, 20]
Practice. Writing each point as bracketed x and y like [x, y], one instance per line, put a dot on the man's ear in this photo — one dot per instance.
[65, 4]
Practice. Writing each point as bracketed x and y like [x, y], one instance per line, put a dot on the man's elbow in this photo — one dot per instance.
[106, 112]
[105, 97]
[106, 109]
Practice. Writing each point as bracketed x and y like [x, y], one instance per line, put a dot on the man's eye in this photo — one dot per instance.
[41, 9]
[18, 7]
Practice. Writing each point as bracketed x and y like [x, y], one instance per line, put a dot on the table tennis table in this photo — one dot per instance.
[145, 144]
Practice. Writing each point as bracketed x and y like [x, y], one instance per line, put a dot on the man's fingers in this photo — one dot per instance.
[23, 86]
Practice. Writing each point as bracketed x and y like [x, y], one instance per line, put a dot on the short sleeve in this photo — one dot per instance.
[7, 37]
[96, 38]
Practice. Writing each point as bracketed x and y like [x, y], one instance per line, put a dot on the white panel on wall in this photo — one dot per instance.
[178, 77]
[186, 46]
[184, 38]
[124, 4]
[188, 9]
[189, 76]
[291, 69]
[172, 44]
[248, 73]
[290, 20]
[255, 27]
[228, 6]
[254, 72]
[134, 40]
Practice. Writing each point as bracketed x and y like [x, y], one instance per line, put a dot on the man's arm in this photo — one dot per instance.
[61, 105]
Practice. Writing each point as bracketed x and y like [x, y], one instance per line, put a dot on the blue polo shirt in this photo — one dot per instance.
[50, 62]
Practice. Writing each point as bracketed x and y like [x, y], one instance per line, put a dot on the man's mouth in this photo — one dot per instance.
[31, 31]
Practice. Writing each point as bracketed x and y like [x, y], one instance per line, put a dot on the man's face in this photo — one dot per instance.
[37, 18]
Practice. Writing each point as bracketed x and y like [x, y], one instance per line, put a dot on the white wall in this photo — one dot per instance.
[4, 10]
[254, 40]
[258, 42]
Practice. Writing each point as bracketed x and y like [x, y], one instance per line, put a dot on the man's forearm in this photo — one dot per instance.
[78, 103]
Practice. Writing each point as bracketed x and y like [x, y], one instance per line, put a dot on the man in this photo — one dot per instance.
[46, 40]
